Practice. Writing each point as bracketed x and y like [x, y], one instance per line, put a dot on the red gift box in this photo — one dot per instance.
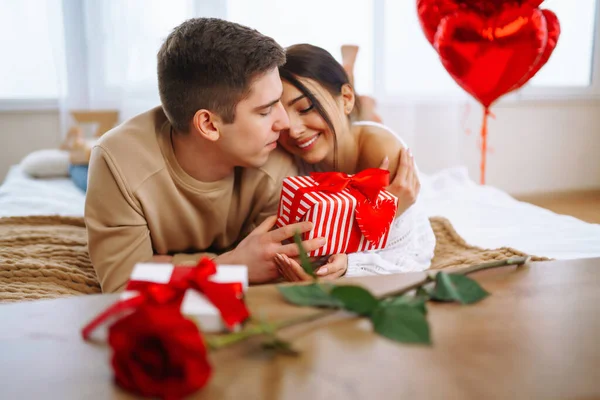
[353, 212]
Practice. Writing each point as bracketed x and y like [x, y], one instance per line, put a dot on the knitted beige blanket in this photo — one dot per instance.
[46, 257]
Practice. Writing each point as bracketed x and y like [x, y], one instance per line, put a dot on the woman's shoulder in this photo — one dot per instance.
[377, 141]
[369, 131]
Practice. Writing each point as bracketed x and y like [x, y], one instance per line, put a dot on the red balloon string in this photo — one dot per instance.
[484, 132]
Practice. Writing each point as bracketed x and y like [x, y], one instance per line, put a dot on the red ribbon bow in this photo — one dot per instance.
[365, 186]
[226, 297]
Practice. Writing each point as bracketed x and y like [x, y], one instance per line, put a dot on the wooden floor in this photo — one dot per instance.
[582, 205]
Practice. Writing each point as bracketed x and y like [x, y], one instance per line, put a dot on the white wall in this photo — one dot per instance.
[537, 147]
[23, 132]
[550, 146]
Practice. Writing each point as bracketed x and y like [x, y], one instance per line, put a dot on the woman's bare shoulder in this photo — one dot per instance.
[375, 143]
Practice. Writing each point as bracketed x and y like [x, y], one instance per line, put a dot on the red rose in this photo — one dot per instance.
[158, 352]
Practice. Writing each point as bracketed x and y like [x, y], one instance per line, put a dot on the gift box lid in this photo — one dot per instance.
[194, 304]
[161, 273]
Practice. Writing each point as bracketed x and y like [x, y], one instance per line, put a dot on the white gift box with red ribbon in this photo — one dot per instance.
[195, 305]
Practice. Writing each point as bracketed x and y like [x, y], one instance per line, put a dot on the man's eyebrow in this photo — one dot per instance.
[270, 104]
[291, 103]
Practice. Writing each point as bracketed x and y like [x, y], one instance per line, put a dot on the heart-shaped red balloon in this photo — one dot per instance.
[431, 12]
[553, 27]
[491, 7]
[489, 47]
[488, 56]
[374, 221]
[534, 3]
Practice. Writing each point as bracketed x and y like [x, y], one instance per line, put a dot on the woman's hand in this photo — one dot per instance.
[292, 271]
[406, 185]
[336, 266]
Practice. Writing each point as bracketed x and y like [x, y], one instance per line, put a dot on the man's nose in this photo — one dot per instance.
[282, 121]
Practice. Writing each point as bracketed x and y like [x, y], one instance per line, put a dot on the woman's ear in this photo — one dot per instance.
[348, 98]
[206, 124]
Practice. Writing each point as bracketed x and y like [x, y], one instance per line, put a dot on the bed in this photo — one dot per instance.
[22, 195]
[487, 217]
[44, 242]
[483, 216]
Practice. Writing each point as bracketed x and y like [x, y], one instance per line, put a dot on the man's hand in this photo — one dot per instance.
[406, 185]
[258, 250]
[292, 271]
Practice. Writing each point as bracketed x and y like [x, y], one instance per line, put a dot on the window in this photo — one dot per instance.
[411, 67]
[126, 38]
[572, 60]
[29, 33]
[328, 24]
[101, 50]
[151, 20]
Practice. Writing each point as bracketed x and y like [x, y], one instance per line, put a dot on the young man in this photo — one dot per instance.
[200, 173]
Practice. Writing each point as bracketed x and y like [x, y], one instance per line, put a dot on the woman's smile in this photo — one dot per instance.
[307, 144]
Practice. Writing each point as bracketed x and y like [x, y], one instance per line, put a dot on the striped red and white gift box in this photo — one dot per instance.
[332, 215]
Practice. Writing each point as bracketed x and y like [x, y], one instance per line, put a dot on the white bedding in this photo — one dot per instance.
[484, 216]
[487, 217]
[21, 195]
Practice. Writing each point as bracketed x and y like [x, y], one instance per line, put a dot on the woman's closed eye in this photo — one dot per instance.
[307, 109]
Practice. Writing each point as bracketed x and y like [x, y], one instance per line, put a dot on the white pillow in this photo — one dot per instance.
[49, 163]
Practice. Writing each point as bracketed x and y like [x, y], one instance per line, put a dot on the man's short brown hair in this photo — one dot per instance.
[209, 63]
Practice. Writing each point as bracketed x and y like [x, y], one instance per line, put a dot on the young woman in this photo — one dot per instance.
[323, 136]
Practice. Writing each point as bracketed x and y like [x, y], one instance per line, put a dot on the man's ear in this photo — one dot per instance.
[207, 125]
[348, 98]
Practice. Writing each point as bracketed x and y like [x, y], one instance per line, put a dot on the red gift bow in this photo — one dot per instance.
[226, 297]
[365, 186]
